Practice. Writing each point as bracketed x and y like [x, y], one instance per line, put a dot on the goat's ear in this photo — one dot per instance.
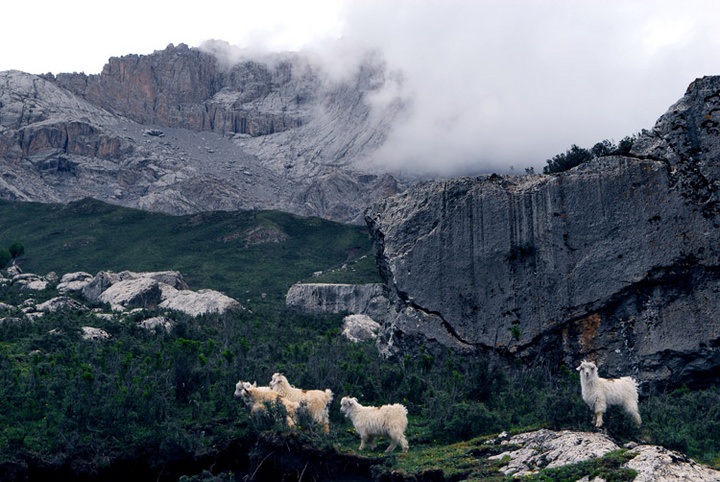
[579, 368]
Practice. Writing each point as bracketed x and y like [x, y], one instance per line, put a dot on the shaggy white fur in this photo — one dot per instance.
[371, 422]
[317, 401]
[599, 393]
[255, 398]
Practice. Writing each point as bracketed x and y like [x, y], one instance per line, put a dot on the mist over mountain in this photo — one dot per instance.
[185, 130]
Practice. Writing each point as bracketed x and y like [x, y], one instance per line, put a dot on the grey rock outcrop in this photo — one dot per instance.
[369, 299]
[162, 289]
[548, 449]
[196, 303]
[29, 281]
[180, 131]
[94, 334]
[140, 292]
[74, 281]
[60, 303]
[358, 327]
[157, 324]
[615, 260]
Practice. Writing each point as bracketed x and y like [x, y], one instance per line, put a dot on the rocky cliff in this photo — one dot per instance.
[182, 131]
[616, 260]
[368, 299]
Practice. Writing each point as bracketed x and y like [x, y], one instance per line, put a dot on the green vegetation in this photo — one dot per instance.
[577, 155]
[469, 460]
[165, 400]
[608, 467]
[15, 250]
[243, 254]
[5, 257]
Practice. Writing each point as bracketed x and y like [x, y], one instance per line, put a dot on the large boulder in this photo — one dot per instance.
[358, 328]
[60, 303]
[163, 289]
[74, 281]
[198, 303]
[615, 260]
[142, 292]
[95, 287]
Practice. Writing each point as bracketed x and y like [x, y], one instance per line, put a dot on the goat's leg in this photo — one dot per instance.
[371, 441]
[404, 443]
[631, 408]
[598, 419]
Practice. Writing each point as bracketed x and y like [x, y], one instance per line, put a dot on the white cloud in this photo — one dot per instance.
[493, 83]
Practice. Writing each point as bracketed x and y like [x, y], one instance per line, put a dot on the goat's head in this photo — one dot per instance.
[587, 370]
[346, 404]
[240, 387]
[277, 379]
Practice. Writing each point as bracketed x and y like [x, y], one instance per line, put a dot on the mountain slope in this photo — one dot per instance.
[180, 131]
[243, 254]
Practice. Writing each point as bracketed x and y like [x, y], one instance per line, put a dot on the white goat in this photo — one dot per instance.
[598, 393]
[255, 398]
[317, 401]
[371, 422]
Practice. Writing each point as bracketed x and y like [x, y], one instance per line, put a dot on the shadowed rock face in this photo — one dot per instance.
[616, 260]
[178, 131]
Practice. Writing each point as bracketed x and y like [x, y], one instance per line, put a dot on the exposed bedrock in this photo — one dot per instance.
[616, 260]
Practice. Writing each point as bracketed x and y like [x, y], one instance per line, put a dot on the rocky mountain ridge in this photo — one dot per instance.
[180, 131]
[615, 260]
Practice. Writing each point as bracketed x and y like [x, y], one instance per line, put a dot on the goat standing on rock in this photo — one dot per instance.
[371, 422]
[598, 393]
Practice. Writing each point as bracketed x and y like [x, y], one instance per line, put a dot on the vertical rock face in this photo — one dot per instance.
[368, 299]
[616, 260]
[188, 88]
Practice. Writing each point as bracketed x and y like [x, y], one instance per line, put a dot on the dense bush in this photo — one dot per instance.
[578, 155]
[169, 393]
[16, 249]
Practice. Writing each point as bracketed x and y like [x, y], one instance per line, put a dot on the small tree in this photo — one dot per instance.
[603, 148]
[625, 145]
[572, 157]
[579, 155]
[16, 249]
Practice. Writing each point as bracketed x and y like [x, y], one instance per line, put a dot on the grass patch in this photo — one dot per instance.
[242, 253]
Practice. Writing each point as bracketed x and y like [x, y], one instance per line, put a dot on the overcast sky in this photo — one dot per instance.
[493, 83]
